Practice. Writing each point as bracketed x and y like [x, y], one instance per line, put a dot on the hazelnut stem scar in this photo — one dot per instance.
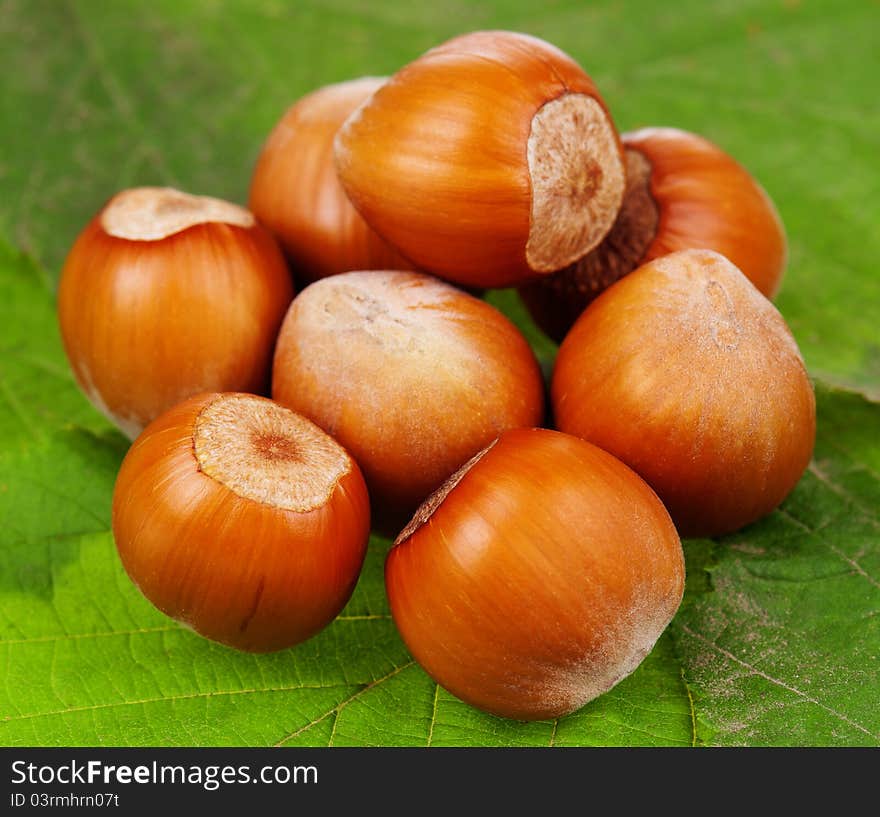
[267, 453]
[154, 213]
[577, 178]
[435, 500]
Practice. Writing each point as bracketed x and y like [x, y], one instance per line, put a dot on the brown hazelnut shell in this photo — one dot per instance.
[539, 578]
[684, 371]
[683, 192]
[296, 194]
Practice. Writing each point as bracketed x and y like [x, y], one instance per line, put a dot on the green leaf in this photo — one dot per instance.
[785, 647]
[100, 96]
[37, 390]
[777, 640]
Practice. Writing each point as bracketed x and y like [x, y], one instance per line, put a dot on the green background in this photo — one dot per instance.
[778, 639]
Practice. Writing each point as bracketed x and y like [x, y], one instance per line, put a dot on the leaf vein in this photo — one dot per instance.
[752, 670]
[840, 491]
[119, 97]
[17, 409]
[340, 706]
[833, 548]
[172, 699]
[433, 714]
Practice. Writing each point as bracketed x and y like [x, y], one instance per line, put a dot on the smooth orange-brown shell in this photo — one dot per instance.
[296, 194]
[412, 376]
[541, 579]
[708, 200]
[688, 374]
[704, 199]
[147, 323]
[238, 571]
[437, 160]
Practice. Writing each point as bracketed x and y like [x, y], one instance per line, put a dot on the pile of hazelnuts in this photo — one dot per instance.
[533, 568]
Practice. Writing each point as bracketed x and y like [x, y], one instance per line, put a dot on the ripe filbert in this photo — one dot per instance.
[688, 374]
[165, 295]
[489, 160]
[682, 192]
[537, 577]
[410, 374]
[296, 194]
[242, 520]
